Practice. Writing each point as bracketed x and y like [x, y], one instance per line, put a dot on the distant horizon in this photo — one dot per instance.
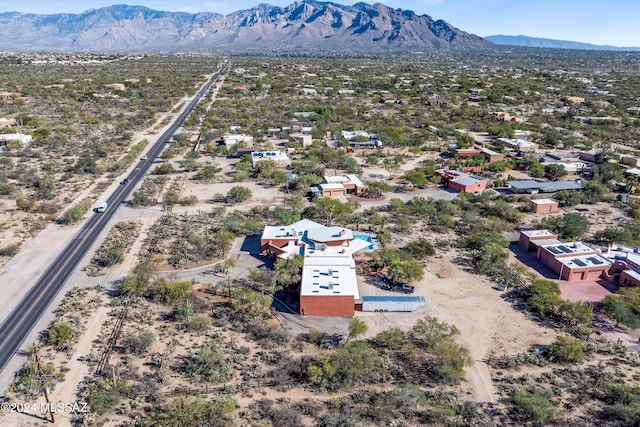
[597, 22]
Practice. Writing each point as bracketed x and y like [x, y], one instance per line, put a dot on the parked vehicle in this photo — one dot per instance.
[101, 207]
[403, 288]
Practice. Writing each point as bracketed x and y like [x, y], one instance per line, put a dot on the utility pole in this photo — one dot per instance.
[41, 381]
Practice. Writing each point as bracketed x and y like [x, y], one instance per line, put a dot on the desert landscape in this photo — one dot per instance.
[178, 310]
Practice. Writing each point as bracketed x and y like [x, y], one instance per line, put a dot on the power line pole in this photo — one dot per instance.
[41, 378]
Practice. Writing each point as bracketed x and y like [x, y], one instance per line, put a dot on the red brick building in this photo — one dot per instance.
[543, 206]
[468, 184]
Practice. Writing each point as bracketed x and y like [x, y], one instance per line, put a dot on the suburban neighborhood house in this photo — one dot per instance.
[340, 186]
[571, 261]
[279, 157]
[461, 181]
[534, 187]
[329, 285]
[231, 140]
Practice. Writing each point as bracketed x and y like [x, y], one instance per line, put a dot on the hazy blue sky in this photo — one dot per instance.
[613, 22]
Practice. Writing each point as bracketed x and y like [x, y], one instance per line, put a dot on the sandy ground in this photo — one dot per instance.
[489, 324]
[21, 272]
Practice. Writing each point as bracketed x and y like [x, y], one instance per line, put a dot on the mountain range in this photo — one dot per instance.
[551, 43]
[302, 24]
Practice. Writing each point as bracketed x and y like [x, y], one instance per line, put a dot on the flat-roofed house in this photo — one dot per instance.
[531, 239]
[352, 183]
[329, 285]
[330, 189]
[574, 261]
[468, 184]
[279, 157]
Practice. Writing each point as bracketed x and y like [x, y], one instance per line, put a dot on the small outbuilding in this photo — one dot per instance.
[543, 206]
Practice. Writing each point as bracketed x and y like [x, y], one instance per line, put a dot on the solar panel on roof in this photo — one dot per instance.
[596, 261]
[564, 249]
[555, 250]
[579, 262]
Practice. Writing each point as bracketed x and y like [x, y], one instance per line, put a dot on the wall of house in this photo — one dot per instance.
[478, 186]
[278, 242]
[327, 305]
[335, 192]
[548, 208]
[628, 280]
[525, 242]
[570, 274]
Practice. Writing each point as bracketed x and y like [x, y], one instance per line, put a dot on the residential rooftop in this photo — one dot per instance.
[329, 276]
[585, 261]
[538, 233]
[570, 248]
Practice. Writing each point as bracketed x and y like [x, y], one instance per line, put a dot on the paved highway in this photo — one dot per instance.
[15, 329]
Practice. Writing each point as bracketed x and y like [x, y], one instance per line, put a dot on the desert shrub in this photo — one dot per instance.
[109, 257]
[566, 349]
[420, 248]
[391, 338]
[269, 336]
[60, 335]
[105, 394]
[355, 363]
[208, 365]
[10, 250]
[163, 169]
[238, 194]
[6, 189]
[137, 342]
[191, 411]
[170, 292]
[76, 213]
[198, 324]
[544, 296]
[533, 407]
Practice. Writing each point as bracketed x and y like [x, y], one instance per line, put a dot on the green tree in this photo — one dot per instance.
[288, 272]
[207, 172]
[556, 170]
[163, 169]
[391, 338]
[356, 328]
[545, 296]
[328, 209]
[76, 213]
[286, 216]
[566, 349]
[355, 363]
[238, 194]
[405, 270]
[616, 307]
[223, 240]
[170, 292]
[417, 178]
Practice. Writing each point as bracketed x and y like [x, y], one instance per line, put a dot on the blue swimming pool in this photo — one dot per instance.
[366, 238]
